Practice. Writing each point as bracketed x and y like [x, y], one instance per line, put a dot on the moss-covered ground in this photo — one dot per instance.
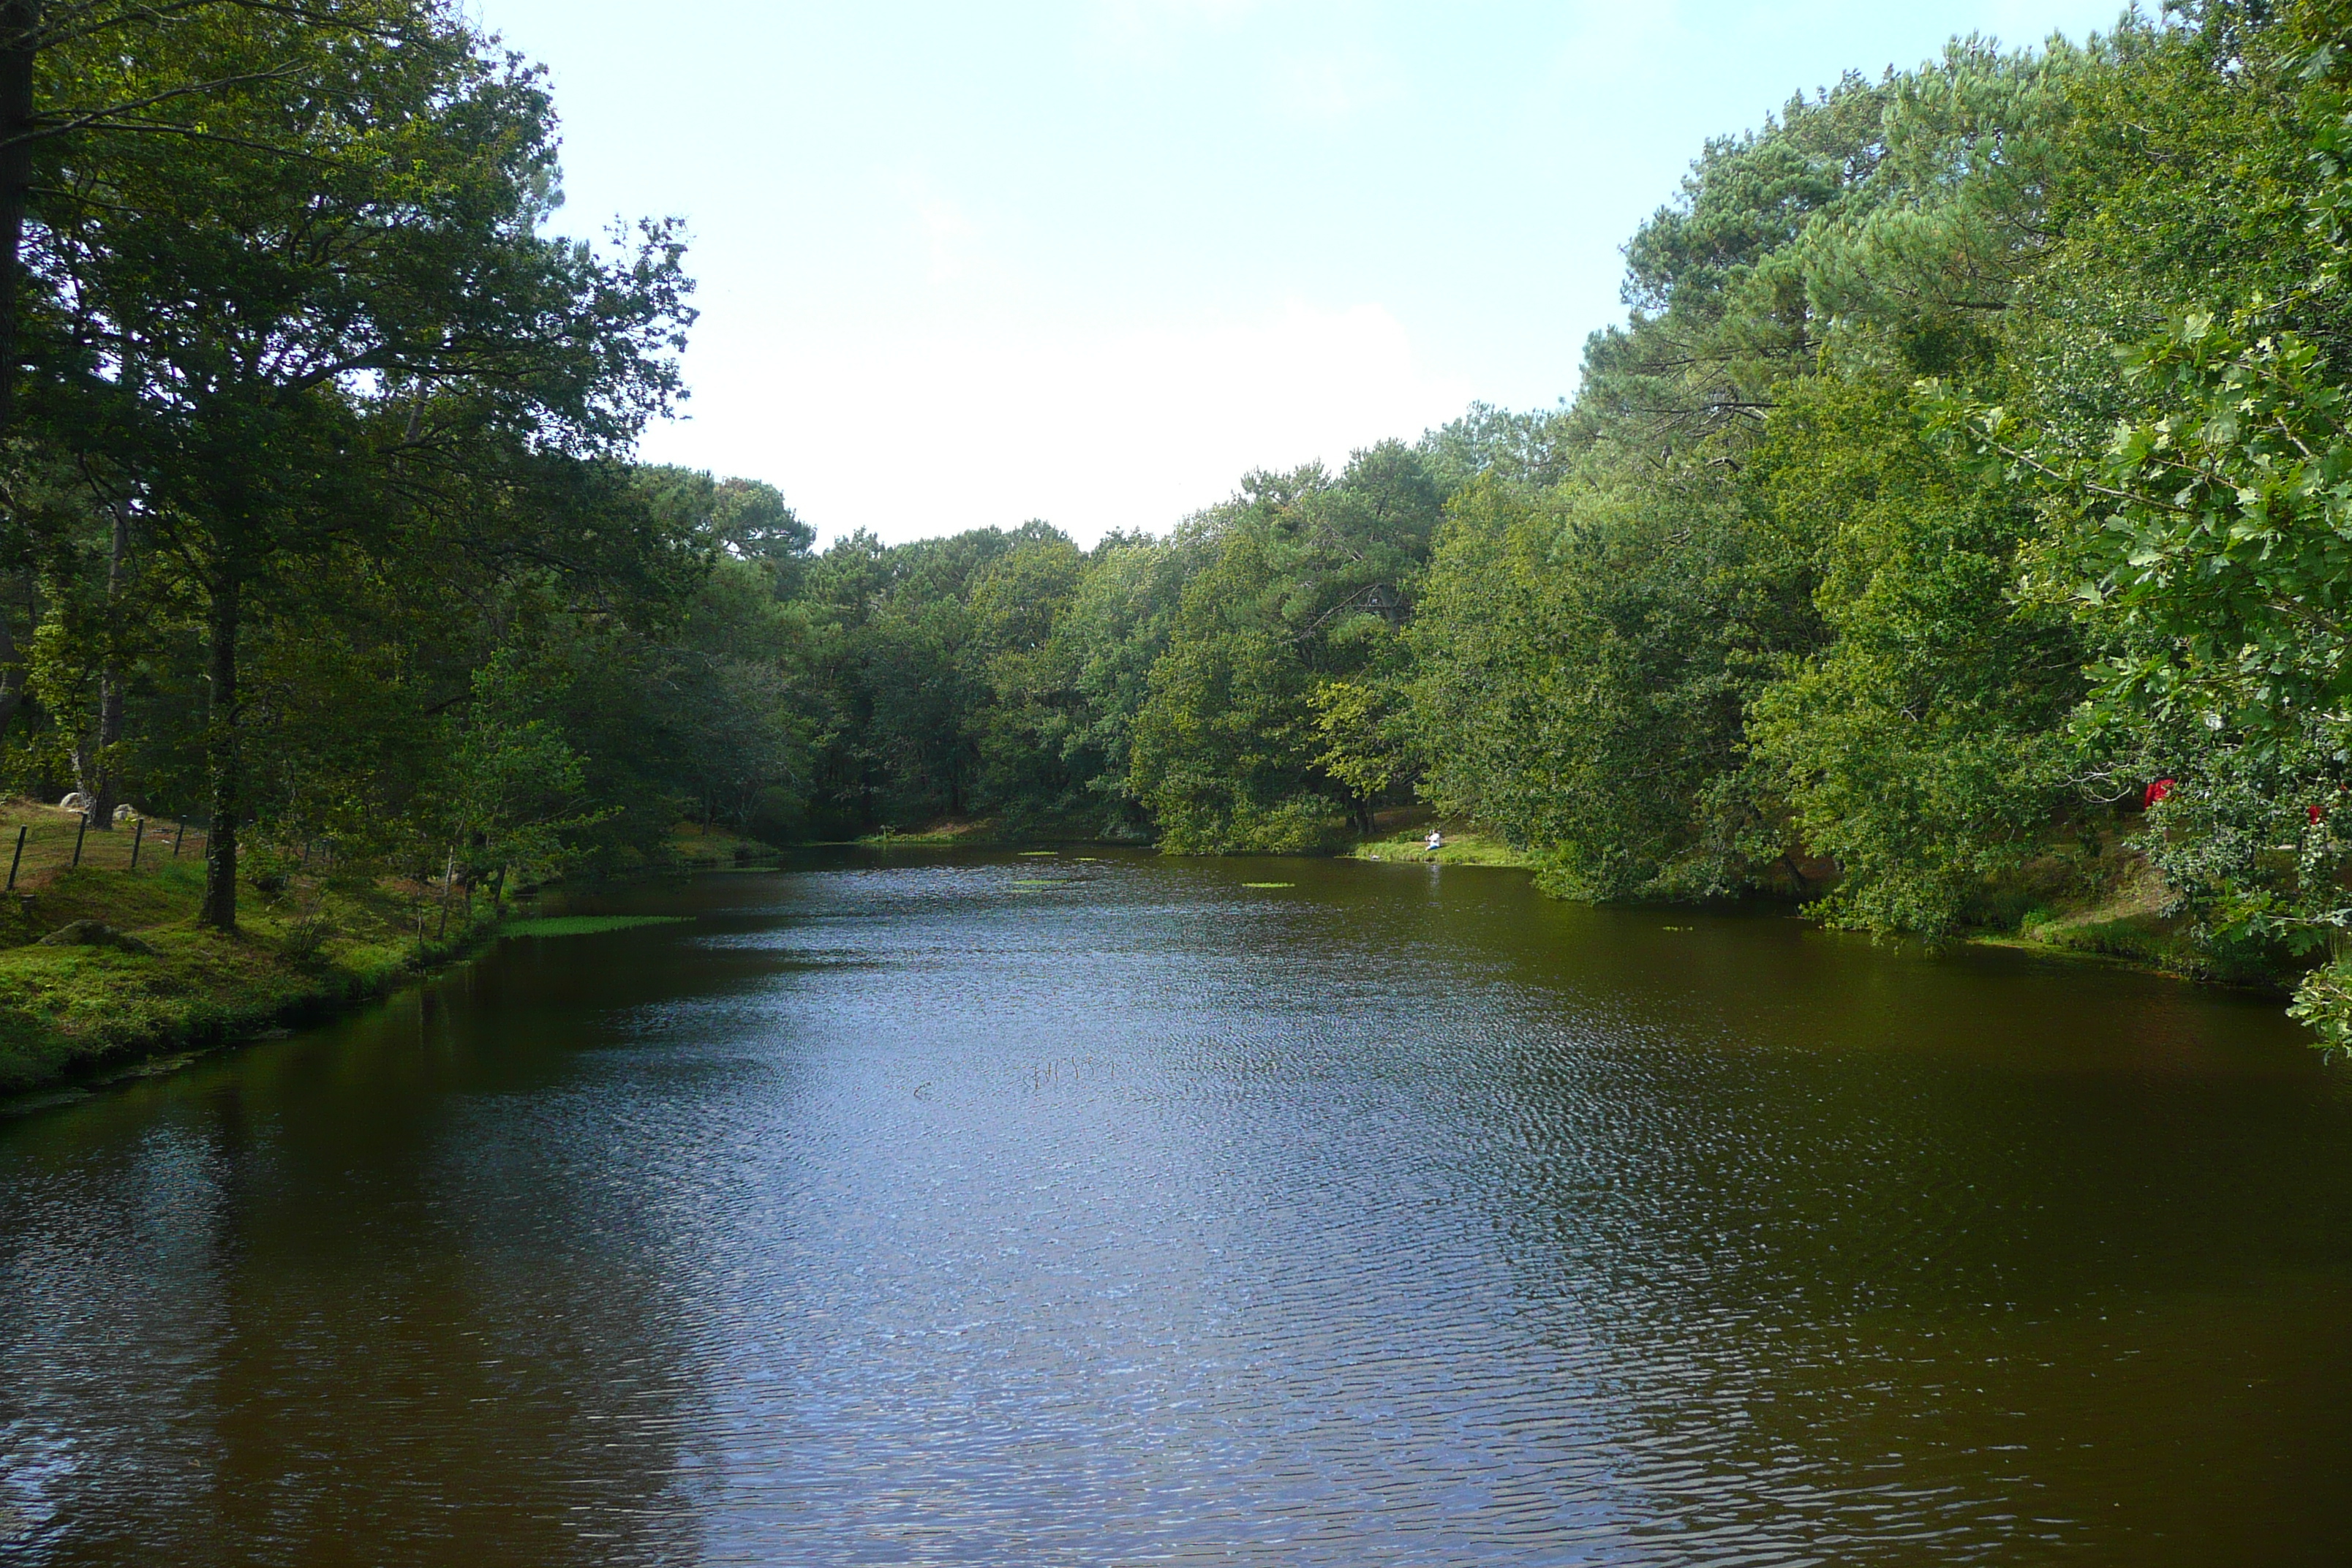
[2093, 895]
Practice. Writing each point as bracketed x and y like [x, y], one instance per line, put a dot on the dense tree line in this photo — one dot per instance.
[1968, 475]
[1958, 522]
[317, 444]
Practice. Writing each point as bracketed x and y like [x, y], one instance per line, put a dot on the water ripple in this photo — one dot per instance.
[919, 1215]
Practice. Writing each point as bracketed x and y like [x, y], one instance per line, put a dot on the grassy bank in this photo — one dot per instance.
[938, 835]
[2134, 924]
[308, 945]
[2110, 908]
[694, 847]
[306, 948]
[1463, 846]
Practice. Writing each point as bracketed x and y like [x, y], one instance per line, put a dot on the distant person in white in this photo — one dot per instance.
[1436, 841]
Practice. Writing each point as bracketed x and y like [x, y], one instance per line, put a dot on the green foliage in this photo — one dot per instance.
[517, 789]
[1365, 745]
[1309, 580]
[2199, 538]
[1584, 660]
[302, 328]
[1920, 747]
[1974, 454]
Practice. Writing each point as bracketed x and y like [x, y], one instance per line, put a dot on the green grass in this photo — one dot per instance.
[1461, 849]
[696, 848]
[2127, 925]
[51, 836]
[312, 947]
[584, 925]
[939, 835]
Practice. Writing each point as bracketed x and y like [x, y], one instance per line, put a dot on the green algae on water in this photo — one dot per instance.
[586, 925]
[1269, 884]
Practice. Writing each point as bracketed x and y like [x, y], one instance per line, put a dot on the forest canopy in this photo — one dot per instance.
[1956, 532]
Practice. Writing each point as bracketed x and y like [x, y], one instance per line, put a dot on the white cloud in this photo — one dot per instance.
[1123, 429]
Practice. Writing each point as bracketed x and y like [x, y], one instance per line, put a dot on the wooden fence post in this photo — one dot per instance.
[17, 859]
[138, 833]
[177, 837]
[83, 828]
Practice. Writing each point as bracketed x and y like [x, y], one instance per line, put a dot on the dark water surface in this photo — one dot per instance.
[917, 1214]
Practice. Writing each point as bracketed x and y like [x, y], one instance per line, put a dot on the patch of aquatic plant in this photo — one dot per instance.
[586, 925]
[1269, 884]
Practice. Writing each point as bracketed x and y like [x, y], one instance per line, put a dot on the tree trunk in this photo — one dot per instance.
[105, 778]
[222, 762]
[12, 666]
[20, 23]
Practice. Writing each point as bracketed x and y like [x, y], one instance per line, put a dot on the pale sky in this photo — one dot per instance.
[1089, 260]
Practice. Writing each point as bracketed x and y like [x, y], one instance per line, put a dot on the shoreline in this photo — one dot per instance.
[58, 1054]
[1468, 846]
[75, 1019]
[107, 1016]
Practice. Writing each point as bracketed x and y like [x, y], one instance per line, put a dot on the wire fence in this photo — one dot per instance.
[38, 850]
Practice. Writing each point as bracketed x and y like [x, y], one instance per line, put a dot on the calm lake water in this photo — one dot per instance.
[915, 1212]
